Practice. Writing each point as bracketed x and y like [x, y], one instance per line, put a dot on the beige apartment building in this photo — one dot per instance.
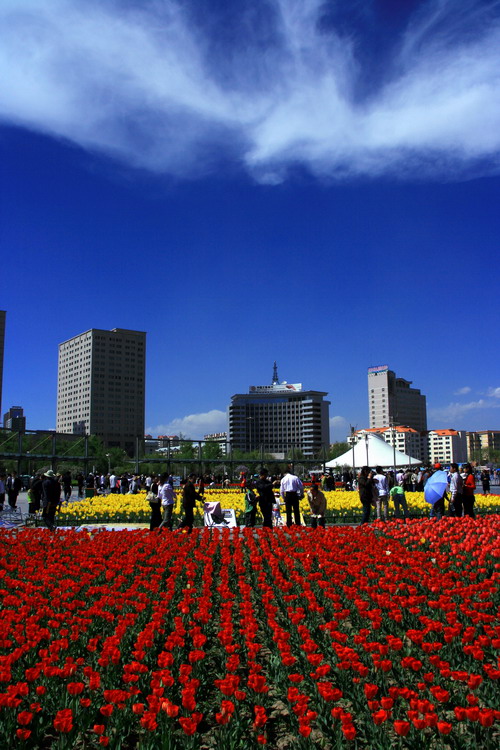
[101, 386]
[404, 439]
[446, 446]
[483, 445]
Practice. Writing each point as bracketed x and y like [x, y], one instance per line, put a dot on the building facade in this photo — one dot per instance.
[14, 419]
[483, 446]
[404, 439]
[446, 446]
[278, 419]
[101, 386]
[392, 401]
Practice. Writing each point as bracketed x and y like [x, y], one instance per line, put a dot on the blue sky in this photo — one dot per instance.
[315, 183]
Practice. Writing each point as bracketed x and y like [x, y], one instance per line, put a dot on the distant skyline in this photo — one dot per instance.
[315, 183]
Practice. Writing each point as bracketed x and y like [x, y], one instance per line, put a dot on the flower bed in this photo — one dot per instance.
[341, 506]
[372, 637]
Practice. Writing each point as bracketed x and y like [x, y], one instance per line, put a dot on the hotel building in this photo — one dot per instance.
[278, 418]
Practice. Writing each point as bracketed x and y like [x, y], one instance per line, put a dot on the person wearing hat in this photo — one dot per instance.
[51, 497]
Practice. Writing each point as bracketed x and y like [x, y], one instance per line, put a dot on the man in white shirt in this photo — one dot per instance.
[291, 490]
[382, 501]
[456, 491]
[112, 482]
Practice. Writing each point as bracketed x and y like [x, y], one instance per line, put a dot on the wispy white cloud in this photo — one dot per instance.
[455, 411]
[495, 392]
[192, 426]
[141, 82]
[462, 391]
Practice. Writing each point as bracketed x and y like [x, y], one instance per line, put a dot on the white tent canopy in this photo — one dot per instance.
[372, 450]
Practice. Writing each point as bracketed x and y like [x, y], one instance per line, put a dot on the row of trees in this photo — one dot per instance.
[206, 457]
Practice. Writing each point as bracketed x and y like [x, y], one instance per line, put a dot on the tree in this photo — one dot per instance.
[337, 449]
[211, 451]
[186, 450]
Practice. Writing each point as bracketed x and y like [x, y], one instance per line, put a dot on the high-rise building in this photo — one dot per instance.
[2, 342]
[101, 386]
[278, 418]
[391, 400]
[14, 419]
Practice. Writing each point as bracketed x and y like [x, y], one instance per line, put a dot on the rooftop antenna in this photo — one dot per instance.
[275, 375]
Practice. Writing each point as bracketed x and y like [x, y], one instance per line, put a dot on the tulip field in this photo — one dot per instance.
[341, 506]
[381, 636]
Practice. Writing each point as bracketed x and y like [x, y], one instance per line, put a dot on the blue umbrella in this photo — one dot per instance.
[435, 487]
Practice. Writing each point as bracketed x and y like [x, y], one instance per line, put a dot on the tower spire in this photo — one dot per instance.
[275, 375]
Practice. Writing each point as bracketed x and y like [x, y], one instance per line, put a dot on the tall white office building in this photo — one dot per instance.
[101, 386]
[392, 401]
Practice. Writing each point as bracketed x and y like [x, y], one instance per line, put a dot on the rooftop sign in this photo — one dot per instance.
[277, 388]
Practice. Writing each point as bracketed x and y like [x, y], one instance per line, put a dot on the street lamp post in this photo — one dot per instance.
[250, 421]
[393, 435]
[108, 456]
[353, 459]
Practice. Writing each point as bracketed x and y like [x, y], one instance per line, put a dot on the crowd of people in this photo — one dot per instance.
[377, 488]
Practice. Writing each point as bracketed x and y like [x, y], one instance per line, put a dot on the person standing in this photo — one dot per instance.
[154, 503]
[112, 482]
[14, 486]
[250, 505]
[437, 509]
[166, 494]
[243, 481]
[264, 489]
[67, 488]
[51, 496]
[382, 502]
[317, 504]
[35, 494]
[365, 489]
[189, 498]
[468, 493]
[291, 490]
[456, 491]
[485, 481]
[2, 489]
[80, 482]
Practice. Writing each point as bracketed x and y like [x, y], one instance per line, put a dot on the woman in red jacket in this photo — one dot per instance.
[468, 492]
